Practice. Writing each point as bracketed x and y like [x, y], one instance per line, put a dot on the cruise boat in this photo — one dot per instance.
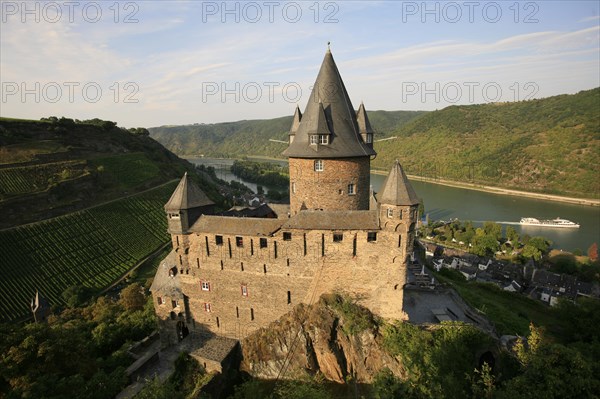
[558, 222]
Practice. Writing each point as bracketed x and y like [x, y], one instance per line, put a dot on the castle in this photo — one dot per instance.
[230, 274]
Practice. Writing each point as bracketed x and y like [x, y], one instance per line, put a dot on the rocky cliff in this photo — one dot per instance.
[335, 337]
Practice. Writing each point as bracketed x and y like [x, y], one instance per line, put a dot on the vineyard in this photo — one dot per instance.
[30, 179]
[92, 248]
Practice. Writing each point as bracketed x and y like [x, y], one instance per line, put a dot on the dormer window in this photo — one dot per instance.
[319, 139]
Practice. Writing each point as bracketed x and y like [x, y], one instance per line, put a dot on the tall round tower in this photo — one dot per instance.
[330, 148]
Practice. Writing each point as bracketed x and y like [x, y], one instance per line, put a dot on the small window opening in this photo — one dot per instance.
[239, 242]
[263, 242]
[219, 240]
[319, 166]
[287, 236]
[244, 289]
[289, 297]
[390, 213]
[371, 236]
[338, 237]
[351, 189]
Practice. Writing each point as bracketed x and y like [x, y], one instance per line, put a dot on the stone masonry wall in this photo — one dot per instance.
[328, 189]
[247, 287]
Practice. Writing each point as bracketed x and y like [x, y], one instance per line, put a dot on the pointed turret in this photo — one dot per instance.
[329, 94]
[373, 205]
[328, 158]
[187, 195]
[295, 124]
[396, 189]
[186, 205]
[364, 126]
[40, 307]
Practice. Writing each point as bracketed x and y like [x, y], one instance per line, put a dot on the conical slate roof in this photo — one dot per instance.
[396, 189]
[187, 195]
[364, 126]
[296, 121]
[330, 95]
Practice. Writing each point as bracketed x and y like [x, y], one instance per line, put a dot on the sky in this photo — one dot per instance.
[153, 63]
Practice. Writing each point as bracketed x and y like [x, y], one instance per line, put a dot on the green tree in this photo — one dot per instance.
[483, 382]
[512, 235]
[529, 251]
[493, 229]
[540, 243]
[76, 295]
[132, 297]
[484, 245]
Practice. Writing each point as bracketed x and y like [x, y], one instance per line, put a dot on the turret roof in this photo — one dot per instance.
[329, 105]
[396, 189]
[364, 126]
[187, 195]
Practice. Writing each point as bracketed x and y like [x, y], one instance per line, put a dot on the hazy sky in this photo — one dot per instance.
[150, 63]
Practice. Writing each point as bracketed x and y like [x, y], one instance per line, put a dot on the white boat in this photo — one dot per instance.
[558, 222]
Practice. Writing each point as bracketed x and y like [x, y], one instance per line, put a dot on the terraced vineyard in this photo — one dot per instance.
[30, 179]
[92, 248]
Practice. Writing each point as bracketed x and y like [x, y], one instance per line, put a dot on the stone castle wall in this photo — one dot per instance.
[249, 285]
[328, 189]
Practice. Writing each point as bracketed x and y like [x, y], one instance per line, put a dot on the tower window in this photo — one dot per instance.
[323, 139]
[371, 236]
[338, 237]
[351, 189]
[263, 242]
[294, 187]
[219, 240]
[239, 241]
[390, 213]
[314, 139]
[244, 290]
[369, 138]
[207, 307]
[205, 285]
[174, 303]
[319, 166]
[160, 300]
[287, 236]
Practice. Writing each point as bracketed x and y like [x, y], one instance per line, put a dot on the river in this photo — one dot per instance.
[444, 202]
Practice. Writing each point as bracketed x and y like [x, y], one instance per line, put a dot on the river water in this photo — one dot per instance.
[443, 202]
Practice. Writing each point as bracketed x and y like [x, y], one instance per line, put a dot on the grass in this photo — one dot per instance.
[510, 312]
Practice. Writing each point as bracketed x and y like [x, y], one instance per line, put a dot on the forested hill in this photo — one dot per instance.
[55, 166]
[549, 145]
[251, 137]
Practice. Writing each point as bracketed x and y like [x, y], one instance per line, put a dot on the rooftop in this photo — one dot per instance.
[329, 111]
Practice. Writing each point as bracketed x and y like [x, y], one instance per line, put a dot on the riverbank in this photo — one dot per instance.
[499, 190]
[468, 186]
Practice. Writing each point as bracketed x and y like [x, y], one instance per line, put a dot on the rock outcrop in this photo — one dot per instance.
[334, 337]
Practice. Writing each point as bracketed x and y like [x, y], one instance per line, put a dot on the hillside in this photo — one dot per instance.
[251, 137]
[336, 348]
[550, 145]
[82, 204]
[52, 167]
